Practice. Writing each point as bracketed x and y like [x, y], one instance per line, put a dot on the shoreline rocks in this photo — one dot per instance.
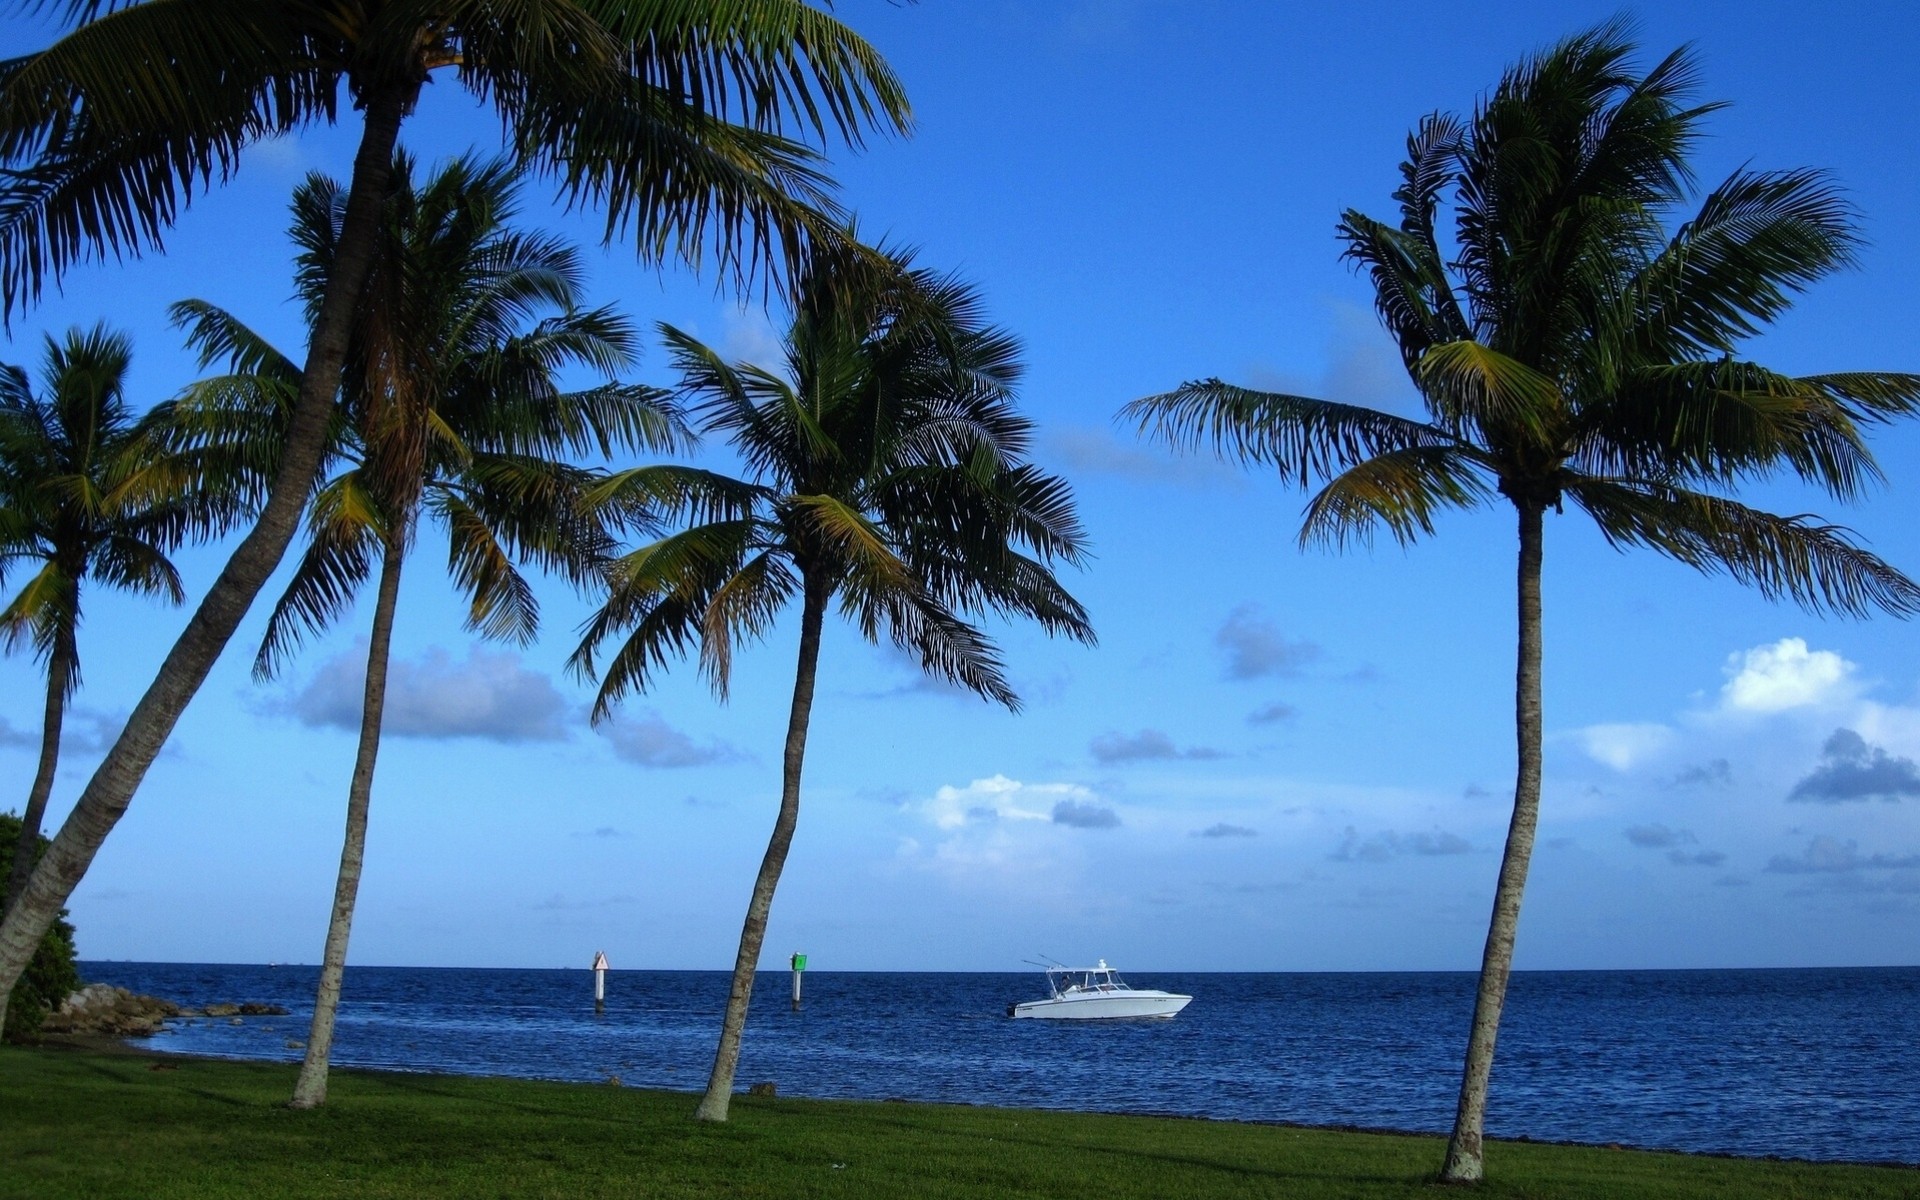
[101, 1008]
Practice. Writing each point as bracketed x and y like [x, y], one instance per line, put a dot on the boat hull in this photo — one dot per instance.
[1133, 1005]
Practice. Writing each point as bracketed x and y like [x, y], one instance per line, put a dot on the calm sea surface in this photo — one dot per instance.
[1815, 1064]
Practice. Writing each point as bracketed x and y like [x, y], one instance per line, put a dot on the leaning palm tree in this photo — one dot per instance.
[672, 117]
[88, 496]
[1572, 350]
[885, 474]
[449, 410]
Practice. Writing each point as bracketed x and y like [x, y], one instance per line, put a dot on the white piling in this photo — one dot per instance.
[799, 962]
[599, 981]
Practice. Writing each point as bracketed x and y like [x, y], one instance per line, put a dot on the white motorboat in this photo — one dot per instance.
[1096, 993]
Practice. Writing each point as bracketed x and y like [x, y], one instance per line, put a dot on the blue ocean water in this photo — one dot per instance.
[1817, 1064]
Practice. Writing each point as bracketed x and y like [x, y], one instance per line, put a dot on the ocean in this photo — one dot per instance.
[1815, 1064]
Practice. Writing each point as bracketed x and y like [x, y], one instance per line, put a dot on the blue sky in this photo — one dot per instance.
[1274, 760]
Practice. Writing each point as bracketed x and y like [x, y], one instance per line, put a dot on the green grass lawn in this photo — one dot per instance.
[80, 1124]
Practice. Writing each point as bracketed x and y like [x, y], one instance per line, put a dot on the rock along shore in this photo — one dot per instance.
[105, 1010]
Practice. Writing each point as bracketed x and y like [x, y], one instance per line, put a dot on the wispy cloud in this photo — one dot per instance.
[1625, 746]
[1379, 847]
[560, 903]
[1658, 837]
[1272, 713]
[1145, 746]
[1830, 856]
[1224, 830]
[1078, 815]
[1256, 647]
[82, 731]
[645, 738]
[1716, 773]
[1091, 450]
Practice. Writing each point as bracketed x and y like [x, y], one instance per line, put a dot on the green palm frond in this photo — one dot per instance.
[1758, 238]
[1869, 396]
[742, 609]
[347, 532]
[501, 604]
[945, 645]
[837, 531]
[1301, 436]
[139, 567]
[664, 492]
[109, 133]
[1724, 419]
[1468, 385]
[1402, 490]
[659, 594]
[46, 603]
[1802, 558]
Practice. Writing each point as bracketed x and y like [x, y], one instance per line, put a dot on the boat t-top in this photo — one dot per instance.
[1096, 993]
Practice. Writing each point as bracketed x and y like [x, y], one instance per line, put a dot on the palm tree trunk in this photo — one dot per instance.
[110, 791]
[60, 666]
[1464, 1153]
[713, 1106]
[310, 1090]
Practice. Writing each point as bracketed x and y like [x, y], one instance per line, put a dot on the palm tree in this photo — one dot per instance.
[450, 409]
[1572, 350]
[672, 117]
[89, 497]
[885, 473]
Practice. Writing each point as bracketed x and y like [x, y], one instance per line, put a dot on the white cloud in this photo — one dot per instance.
[1623, 746]
[1002, 799]
[1784, 675]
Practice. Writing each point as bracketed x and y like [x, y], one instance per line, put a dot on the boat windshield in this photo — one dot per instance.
[1079, 981]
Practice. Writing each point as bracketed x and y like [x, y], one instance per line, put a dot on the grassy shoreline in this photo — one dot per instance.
[78, 1122]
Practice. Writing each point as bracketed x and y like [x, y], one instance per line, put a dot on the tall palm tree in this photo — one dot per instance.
[1572, 350]
[672, 115]
[885, 473]
[88, 495]
[451, 410]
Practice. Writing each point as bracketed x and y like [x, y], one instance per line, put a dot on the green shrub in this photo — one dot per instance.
[51, 976]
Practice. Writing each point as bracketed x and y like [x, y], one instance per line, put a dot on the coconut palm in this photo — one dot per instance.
[88, 496]
[1572, 350]
[672, 117]
[449, 410]
[885, 474]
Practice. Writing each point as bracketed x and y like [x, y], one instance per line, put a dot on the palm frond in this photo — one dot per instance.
[1758, 239]
[1301, 436]
[347, 532]
[1401, 490]
[1814, 563]
[500, 603]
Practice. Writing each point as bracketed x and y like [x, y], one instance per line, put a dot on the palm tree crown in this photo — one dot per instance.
[449, 402]
[673, 116]
[1569, 347]
[885, 470]
[1572, 349]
